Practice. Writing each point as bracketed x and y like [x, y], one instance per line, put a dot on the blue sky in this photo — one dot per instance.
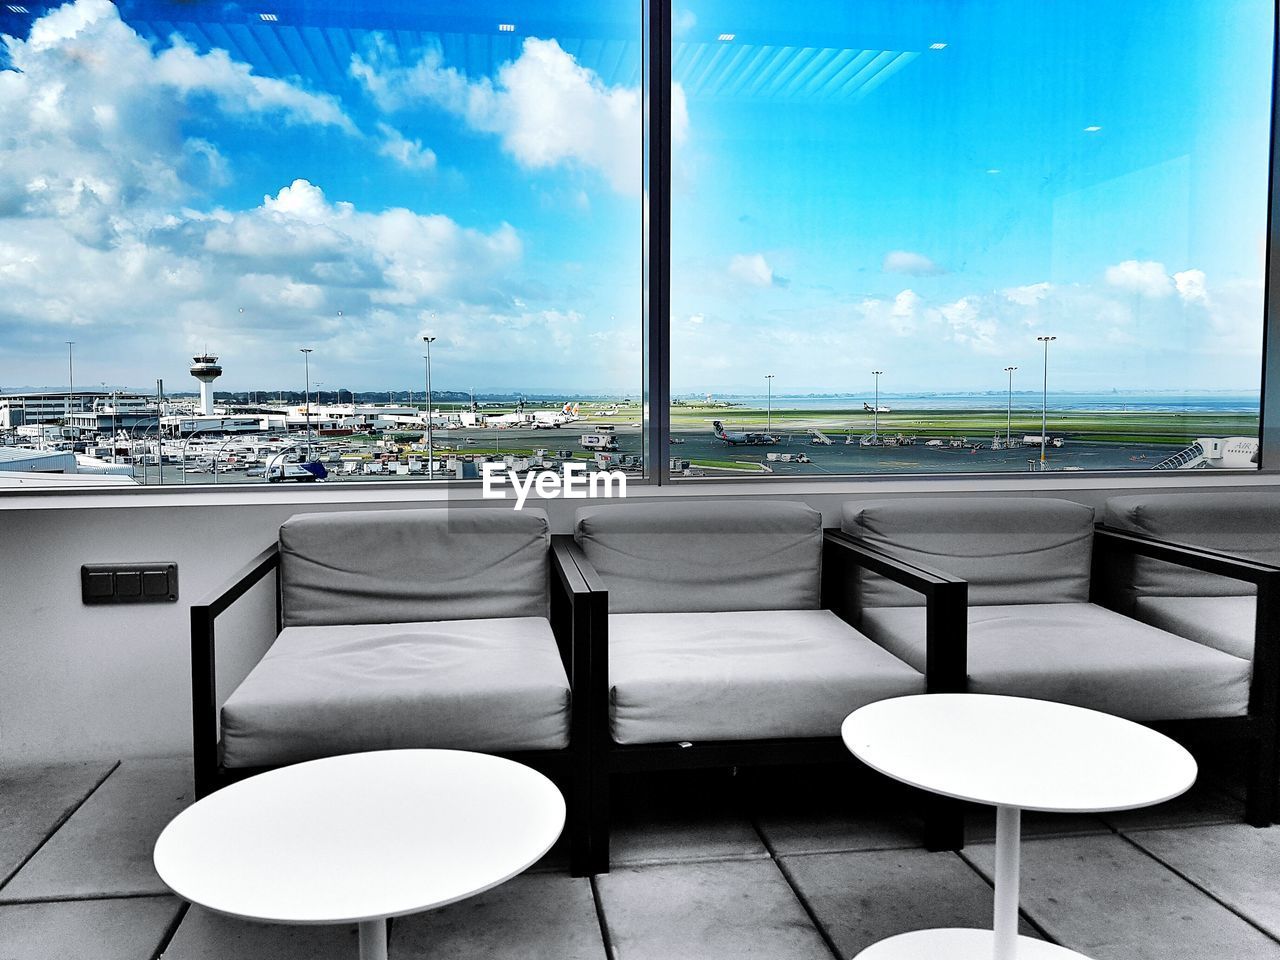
[208, 178]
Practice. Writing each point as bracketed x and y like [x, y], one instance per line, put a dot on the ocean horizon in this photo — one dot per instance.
[1119, 401]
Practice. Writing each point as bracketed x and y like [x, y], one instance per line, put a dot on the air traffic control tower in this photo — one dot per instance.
[206, 370]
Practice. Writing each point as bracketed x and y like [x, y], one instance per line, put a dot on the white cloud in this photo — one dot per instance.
[751, 269]
[238, 91]
[683, 20]
[970, 325]
[401, 257]
[1027, 295]
[1146, 278]
[408, 153]
[913, 264]
[546, 108]
[1190, 285]
[91, 120]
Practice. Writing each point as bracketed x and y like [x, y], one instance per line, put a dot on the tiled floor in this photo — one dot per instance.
[783, 865]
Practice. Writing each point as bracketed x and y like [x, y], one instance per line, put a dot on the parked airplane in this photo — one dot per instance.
[870, 409]
[547, 420]
[741, 438]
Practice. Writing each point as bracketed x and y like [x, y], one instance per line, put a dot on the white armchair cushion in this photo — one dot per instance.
[762, 674]
[1224, 623]
[1082, 654]
[488, 685]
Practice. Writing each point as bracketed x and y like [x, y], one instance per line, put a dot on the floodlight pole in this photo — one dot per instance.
[768, 377]
[875, 412]
[1008, 430]
[1044, 400]
[306, 366]
[71, 378]
[431, 457]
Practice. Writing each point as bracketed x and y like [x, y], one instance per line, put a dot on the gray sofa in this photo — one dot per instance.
[1031, 628]
[716, 649]
[442, 628]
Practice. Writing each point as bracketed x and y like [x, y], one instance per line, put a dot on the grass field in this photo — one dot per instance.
[1120, 426]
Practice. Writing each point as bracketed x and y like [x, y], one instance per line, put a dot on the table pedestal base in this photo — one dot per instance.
[373, 940]
[959, 944]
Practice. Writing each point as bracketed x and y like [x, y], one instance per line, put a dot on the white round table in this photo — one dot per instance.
[1016, 754]
[361, 838]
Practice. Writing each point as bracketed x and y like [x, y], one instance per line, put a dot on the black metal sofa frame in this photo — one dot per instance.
[1259, 728]
[570, 616]
[579, 614]
[945, 598]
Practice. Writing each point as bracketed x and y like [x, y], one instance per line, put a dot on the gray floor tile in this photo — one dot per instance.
[1204, 804]
[862, 898]
[729, 910]
[34, 800]
[690, 815]
[1235, 862]
[207, 936]
[1110, 901]
[104, 849]
[533, 917]
[980, 825]
[693, 835]
[833, 832]
[130, 929]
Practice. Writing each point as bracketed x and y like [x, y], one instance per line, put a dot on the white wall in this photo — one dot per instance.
[81, 682]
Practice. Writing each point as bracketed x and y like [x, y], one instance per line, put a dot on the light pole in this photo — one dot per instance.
[1008, 430]
[431, 457]
[71, 377]
[1044, 400]
[306, 366]
[875, 412]
[768, 377]
[319, 393]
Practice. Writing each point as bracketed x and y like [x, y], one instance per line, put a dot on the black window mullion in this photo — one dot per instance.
[658, 356]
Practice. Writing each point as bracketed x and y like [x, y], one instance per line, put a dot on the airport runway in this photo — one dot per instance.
[838, 459]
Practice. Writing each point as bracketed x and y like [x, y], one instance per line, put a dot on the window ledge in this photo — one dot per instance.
[423, 493]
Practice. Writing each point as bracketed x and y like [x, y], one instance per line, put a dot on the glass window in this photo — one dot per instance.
[225, 232]
[907, 233]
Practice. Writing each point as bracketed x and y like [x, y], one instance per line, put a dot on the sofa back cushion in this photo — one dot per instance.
[1245, 523]
[405, 566]
[1010, 549]
[694, 557]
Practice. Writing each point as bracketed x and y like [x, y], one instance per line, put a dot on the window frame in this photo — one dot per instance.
[656, 59]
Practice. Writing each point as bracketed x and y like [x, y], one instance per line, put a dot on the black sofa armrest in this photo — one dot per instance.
[595, 612]
[946, 604]
[580, 619]
[204, 692]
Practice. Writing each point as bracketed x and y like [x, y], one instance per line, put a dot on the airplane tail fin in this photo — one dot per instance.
[717, 426]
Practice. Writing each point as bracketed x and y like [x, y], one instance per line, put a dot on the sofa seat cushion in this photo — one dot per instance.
[761, 674]
[488, 685]
[1224, 623]
[1082, 654]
